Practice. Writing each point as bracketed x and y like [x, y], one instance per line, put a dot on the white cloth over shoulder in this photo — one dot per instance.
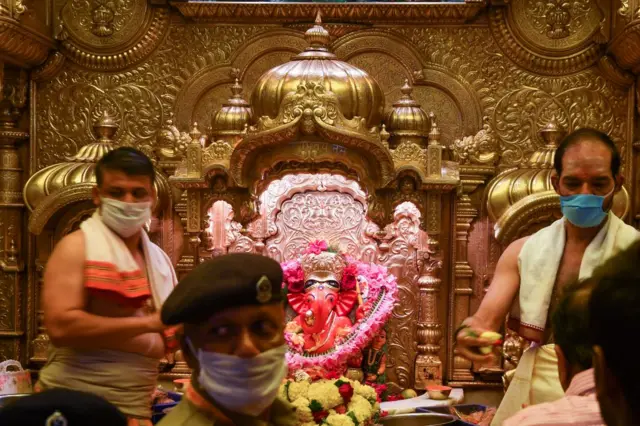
[539, 261]
[109, 264]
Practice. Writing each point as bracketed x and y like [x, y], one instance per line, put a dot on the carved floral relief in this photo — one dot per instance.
[140, 99]
[103, 18]
[558, 19]
[517, 101]
[7, 283]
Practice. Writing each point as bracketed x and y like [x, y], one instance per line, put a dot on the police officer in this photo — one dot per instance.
[61, 407]
[232, 308]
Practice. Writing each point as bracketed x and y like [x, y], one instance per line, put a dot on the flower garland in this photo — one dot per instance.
[380, 294]
[339, 402]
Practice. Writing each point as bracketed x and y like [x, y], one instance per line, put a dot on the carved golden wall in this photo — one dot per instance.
[502, 67]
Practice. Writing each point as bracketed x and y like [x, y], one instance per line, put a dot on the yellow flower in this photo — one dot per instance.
[302, 410]
[282, 391]
[365, 391]
[339, 420]
[361, 408]
[297, 390]
[326, 393]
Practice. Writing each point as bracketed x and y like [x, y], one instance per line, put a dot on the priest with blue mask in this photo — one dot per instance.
[533, 270]
[232, 308]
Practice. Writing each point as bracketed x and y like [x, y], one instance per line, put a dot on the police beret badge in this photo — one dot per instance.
[263, 289]
[56, 419]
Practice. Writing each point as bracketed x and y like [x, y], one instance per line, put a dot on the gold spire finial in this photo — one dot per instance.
[236, 89]
[195, 133]
[384, 135]
[434, 134]
[406, 89]
[317, 36]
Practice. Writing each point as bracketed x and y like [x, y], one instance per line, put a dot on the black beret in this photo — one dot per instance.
[228, 281]
[61, 407]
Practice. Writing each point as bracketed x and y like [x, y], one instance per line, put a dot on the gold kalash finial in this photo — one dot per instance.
[317, 36]
[104, 129]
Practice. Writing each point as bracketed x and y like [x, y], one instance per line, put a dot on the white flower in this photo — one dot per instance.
[302, 376]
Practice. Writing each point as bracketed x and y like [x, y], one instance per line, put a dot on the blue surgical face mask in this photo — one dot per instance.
[584, 210]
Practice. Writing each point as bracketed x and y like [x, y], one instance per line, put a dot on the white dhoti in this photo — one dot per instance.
[535, 381]
[536, 378]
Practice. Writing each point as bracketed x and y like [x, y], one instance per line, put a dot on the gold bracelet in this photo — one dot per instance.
[459, 329]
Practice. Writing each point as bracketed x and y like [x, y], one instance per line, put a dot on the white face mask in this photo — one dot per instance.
[125, 219]
[242, 385]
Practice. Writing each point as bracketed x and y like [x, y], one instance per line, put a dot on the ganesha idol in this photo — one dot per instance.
[340, 304]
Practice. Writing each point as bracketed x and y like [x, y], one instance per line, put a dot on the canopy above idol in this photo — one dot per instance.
[318, 114]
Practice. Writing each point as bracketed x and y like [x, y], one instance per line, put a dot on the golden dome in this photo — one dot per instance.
[234, 115]
[513, 185]
[358, 93]
[80, 169]
[407, 118]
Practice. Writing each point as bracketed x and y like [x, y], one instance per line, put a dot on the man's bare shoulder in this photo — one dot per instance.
[71, 245]
[513, 250]
[517, 244]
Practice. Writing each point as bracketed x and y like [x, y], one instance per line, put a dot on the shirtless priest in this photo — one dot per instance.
[104, 286]
[532, 270]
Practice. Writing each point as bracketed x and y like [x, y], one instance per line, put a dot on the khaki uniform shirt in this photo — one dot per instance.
[194, 410]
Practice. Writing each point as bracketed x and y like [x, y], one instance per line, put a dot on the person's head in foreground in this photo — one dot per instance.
[587, 176]
[614, 311]
[124, 191]
[570, 322]
[232, 308]
[58, 407]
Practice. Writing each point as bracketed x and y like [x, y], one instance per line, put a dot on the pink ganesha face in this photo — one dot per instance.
[320, 301]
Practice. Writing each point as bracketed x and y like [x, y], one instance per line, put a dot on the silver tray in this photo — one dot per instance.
[7, 399]
[418, 419]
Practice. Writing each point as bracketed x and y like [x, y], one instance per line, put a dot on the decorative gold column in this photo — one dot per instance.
[13, 96]
[428, 367]
[194, 171]
[477, 156]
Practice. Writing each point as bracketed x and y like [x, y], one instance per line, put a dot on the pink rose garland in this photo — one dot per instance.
[293, 276]
[317, 247]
